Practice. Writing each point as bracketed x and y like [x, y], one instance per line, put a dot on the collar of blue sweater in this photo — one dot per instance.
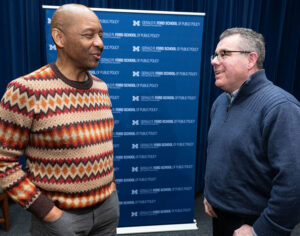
[255, 82]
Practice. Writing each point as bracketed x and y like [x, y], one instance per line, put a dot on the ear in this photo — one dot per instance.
[57, 37]
[252, 59]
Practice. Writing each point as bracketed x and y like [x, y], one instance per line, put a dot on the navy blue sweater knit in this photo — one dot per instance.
[253, 162]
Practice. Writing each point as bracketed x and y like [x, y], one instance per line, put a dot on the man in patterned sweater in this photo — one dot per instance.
[60, 118]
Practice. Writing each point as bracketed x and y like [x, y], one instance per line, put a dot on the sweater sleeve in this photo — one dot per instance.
[281, 132]
[16, 116]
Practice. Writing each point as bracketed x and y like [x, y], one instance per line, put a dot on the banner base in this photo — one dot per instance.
[157, 228]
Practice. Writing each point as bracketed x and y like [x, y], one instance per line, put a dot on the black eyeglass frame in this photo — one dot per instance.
[224, 53]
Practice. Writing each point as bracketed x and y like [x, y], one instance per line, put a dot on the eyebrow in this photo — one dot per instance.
[90, 30]
[223, 49]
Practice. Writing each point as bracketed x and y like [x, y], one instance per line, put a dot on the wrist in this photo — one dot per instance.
[53, 214]
[113, 186]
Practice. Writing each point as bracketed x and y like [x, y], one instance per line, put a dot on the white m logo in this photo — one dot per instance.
[135, 98]
[134, 192]
[134, 214]
[136, 23]
[134, 169]
[135, 122]
[52, 47]
[135, 48]
[135, 74]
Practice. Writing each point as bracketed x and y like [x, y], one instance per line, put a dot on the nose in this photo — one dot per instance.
[98, 42]
[214, 61]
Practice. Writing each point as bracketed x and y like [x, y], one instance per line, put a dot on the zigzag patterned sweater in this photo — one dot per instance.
[64, 129]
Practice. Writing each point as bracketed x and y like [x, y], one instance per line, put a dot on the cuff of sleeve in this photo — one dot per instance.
[114, 179]
[253, 231]
[264, 227]
[41, 206]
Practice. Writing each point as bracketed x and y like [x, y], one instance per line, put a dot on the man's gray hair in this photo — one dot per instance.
[251, 41]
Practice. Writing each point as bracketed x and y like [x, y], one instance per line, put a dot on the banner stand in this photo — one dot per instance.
[157, 228]
[151, 65]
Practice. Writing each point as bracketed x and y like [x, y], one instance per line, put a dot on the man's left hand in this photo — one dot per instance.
[113, 186]
[244, 230]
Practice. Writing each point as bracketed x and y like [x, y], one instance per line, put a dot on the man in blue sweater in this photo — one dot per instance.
[252, 181]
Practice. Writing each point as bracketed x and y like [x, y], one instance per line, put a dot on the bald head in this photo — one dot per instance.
[66, 15]
[77, 34]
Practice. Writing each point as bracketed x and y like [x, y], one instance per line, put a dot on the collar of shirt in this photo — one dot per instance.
[233, 95]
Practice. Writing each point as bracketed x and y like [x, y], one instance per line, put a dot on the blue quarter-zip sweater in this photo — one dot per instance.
[253, 158]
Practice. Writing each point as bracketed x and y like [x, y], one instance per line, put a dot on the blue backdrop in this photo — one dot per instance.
[22, 44]
[151, 64]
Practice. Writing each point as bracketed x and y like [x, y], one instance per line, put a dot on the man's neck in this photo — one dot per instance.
[71, 72]
[242, 81]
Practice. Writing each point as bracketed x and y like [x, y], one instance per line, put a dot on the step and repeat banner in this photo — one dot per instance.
[151, 64]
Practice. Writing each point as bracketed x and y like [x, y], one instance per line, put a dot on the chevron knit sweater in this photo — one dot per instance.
[64, 129]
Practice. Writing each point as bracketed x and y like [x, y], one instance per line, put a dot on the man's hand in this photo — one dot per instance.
[209, 209]
[113, 186]
[53, 215]
[244, 230]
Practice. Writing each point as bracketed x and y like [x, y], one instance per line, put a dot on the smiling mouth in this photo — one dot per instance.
[218, 72]
[97, 56]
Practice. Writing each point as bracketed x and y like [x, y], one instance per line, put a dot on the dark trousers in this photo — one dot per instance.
[227, 222]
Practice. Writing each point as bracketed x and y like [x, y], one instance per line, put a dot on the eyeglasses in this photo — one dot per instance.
[222, 54]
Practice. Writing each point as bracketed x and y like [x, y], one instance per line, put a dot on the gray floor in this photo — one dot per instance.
[20, 223]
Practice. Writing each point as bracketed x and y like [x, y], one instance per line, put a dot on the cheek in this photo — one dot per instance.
[230, 69]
